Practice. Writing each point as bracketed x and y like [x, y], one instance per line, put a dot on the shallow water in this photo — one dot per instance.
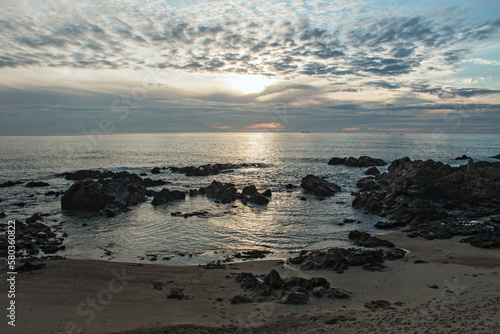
[285, 224]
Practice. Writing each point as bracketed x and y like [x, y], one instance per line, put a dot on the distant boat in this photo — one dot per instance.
[305, 131]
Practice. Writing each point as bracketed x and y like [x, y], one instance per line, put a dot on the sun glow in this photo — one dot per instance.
[250, 84]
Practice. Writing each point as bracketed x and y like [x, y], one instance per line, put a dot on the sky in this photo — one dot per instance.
[129, 66]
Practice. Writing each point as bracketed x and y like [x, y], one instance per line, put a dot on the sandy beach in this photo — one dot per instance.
[455, 290]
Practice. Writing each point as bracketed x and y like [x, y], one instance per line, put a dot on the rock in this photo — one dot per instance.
[388, 225]
[210, 169]
[337, 259]
[9, 184]
[363, 161]
[484, 240]
[251, 194]
[318, 186]
[176, 293]
[337, 319]
[252, 254]
[2, 215]
[319, 291]
[372, 171]
[338, 293]
[147, 182]
[50, 193]
[116, 194]
[496, 156]
[194, 192]
[166, 196]
[364, 239]
[378, 304]
[430, 196]
[199, 213]
[240, 299]
[223, 192]
[36, 184]
[290, 186]
[34, 218]
[32, 263]
[274, 280]
[81, 175]
[249, 191]
[267, 193]
[295, 298]
[395, 254]
[156, 170]
[463, 157]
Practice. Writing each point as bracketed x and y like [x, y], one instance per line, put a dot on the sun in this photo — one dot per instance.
[250, 84]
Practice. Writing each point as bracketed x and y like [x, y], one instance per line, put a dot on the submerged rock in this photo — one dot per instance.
[372, 171]
[37, 184]
[363, 161]
[463, 157]
[9, 184]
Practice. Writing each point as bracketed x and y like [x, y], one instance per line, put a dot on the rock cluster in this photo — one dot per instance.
[430, 195]
[210, 169]
[227, 192]
[318, 186]
[9, 184]
[339, 259]
[292, 290]
[363, 161]
[32, 237]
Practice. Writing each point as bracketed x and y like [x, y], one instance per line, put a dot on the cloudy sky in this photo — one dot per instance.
[230, 65]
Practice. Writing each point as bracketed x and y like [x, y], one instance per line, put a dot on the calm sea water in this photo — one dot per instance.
[285, 225]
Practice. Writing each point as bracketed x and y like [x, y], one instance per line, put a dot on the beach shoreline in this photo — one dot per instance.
[453, 286]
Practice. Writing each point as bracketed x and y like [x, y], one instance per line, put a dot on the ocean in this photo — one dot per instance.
[286, 225]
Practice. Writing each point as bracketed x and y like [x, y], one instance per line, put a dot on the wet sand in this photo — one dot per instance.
[455, 290]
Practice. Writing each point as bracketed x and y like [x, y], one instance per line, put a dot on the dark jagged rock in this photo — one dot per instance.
[252, 254]
[223, 192]
[463, 157]
[166, 196]
[147, 182]
[274, 287]
[194, 192]
[33, 219]
[117, 194]
[337, 259]
[250, 194]
[372, 171]
[364, 239]
[290, 186]
[156, 170]
[210, 169]
[430, 196]
[37, 184]
[388, 225]
[395, 254]
[318, 186]
[81, 175]
[267, 193]
[9, 184]
[2, 215]
[273, 279]
[496, 157]
[484, 240]
[363, 161]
